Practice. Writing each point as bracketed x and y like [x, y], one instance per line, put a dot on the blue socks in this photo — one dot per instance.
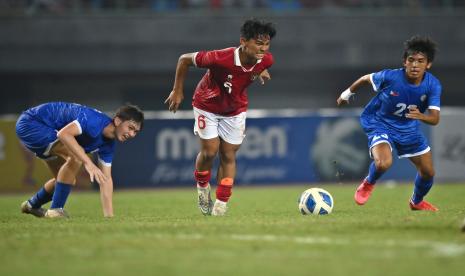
[373, 175]
[422, 187]
[60, 195]
[40, 198]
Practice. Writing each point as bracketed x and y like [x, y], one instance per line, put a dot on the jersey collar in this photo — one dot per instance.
[237, 61]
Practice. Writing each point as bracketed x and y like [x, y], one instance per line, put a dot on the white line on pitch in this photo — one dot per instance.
[443, 249]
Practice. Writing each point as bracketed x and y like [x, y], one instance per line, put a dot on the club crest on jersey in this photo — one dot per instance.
[423, 98]
[393, 93]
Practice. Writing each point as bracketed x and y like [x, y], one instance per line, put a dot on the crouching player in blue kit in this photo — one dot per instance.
[391, 119]
[61, 134]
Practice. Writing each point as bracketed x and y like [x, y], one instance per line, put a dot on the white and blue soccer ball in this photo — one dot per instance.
[316, 201]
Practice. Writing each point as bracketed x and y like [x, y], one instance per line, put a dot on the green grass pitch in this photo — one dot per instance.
[161, 232]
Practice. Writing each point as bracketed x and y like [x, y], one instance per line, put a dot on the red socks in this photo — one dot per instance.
[202, 178]
[223, 191]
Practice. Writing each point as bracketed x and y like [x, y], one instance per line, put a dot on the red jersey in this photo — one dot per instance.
[223, 89]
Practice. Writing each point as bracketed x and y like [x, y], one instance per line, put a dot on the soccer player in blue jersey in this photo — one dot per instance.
[62, 134]
[391, 119]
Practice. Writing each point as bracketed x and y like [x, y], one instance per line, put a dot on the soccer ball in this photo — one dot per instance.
[316, 201]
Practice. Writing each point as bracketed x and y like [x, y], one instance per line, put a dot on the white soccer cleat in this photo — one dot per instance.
[56, 213]
[26, 208]
[220, 208]
[205, 202]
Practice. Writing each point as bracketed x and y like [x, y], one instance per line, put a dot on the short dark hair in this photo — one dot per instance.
[253, 28]
[420, 44]
[130, 112]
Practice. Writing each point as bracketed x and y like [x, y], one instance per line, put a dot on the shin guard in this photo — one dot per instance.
[224, 189]
[202, 178]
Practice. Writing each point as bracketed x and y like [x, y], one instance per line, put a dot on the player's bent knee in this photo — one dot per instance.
[427, 174]
[208, 154]
[383, 164]
[228, 157]
[73, 162]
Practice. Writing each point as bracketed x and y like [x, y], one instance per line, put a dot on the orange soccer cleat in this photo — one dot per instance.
[363, 192]
[423, 206]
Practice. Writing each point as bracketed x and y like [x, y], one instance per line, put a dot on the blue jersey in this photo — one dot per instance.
[395, 95]
[38, 125]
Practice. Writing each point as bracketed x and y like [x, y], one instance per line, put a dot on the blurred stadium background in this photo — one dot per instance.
[103, 53]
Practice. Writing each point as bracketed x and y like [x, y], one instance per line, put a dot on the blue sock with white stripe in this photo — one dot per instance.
[373, 174]
[40, 198]
[60, 195]
[422, 187]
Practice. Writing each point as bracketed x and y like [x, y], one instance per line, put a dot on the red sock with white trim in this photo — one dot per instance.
[202, 178]
[224, 189]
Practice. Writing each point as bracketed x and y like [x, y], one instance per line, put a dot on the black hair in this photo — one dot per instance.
[420, 44]
[130, 112]
[253, 28]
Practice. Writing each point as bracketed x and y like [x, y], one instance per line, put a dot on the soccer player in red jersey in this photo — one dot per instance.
[220, 104]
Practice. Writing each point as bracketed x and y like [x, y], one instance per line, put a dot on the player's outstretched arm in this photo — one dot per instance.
[67, 136]
[349, 92]
[106, 191]
[177, 94]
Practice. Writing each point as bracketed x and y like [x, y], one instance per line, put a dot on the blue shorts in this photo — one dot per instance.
[406, 145]
[35, 135]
